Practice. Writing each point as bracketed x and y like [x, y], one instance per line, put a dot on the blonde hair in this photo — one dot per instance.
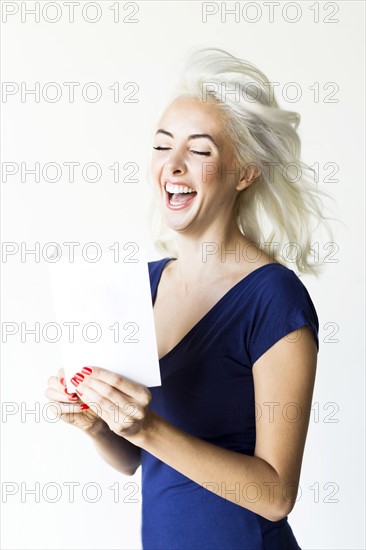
[264, 135]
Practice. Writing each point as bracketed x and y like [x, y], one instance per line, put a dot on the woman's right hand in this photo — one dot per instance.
[72, 410]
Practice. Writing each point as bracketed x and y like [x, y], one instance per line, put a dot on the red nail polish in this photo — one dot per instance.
[62, 380]
[74, 381]
[86, 370]
[79, 376]
[84, 406]
[72, 398]
[78, 392]
[72, 394]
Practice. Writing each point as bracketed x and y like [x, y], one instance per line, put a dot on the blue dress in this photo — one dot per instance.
[207, 390]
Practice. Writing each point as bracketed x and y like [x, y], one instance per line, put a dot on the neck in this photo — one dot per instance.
[203, 259]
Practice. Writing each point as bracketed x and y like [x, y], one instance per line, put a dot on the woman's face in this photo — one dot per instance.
[183, 156]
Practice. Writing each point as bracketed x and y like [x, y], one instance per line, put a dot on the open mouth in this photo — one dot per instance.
[177, 201]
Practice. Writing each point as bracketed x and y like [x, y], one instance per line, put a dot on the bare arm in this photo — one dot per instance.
[115, 450]
[283, 375]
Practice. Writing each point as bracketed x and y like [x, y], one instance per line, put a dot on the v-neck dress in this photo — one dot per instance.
[207, 390]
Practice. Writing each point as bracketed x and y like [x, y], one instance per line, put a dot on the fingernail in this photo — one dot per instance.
[84, 406]
[74, 381]
[79, 376]
[78, 392]
[62, 380]
[72, 398]
[86, 370]
[72, 394]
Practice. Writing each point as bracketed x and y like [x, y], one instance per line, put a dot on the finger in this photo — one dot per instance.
[61, 376]
[71, 408]
[54, 394]
[118, 406]
[104, 406]
[105, 390]
[54, 383]
[90, 392]
[122, 383]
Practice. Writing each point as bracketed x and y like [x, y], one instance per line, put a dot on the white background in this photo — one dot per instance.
[330, 510]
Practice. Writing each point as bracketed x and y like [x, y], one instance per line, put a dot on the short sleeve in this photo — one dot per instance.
[283, 305]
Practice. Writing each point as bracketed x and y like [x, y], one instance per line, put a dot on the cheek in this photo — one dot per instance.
[214, 175]
[206, 171]
[156, 167]
[228, 174]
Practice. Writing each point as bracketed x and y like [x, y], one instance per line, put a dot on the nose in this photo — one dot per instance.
[175, 163]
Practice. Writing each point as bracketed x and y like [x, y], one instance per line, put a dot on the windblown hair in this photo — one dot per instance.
[284, 195]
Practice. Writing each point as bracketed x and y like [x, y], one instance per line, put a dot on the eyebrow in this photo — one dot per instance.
[192, 136]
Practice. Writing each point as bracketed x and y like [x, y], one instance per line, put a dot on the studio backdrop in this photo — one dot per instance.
[83, 84]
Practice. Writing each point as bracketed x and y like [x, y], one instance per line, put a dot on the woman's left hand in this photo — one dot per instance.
[122, 403]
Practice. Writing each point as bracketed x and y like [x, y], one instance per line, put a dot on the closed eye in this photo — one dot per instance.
[202, 153]
[197, 152]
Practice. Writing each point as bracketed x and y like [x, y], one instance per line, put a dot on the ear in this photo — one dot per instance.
[251, 173]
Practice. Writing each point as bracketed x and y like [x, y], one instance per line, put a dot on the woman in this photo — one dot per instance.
[221, 441]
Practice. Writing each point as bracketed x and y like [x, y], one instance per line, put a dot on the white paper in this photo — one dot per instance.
[106, 294]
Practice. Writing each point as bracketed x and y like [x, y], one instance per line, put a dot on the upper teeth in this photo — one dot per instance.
[178, 188]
